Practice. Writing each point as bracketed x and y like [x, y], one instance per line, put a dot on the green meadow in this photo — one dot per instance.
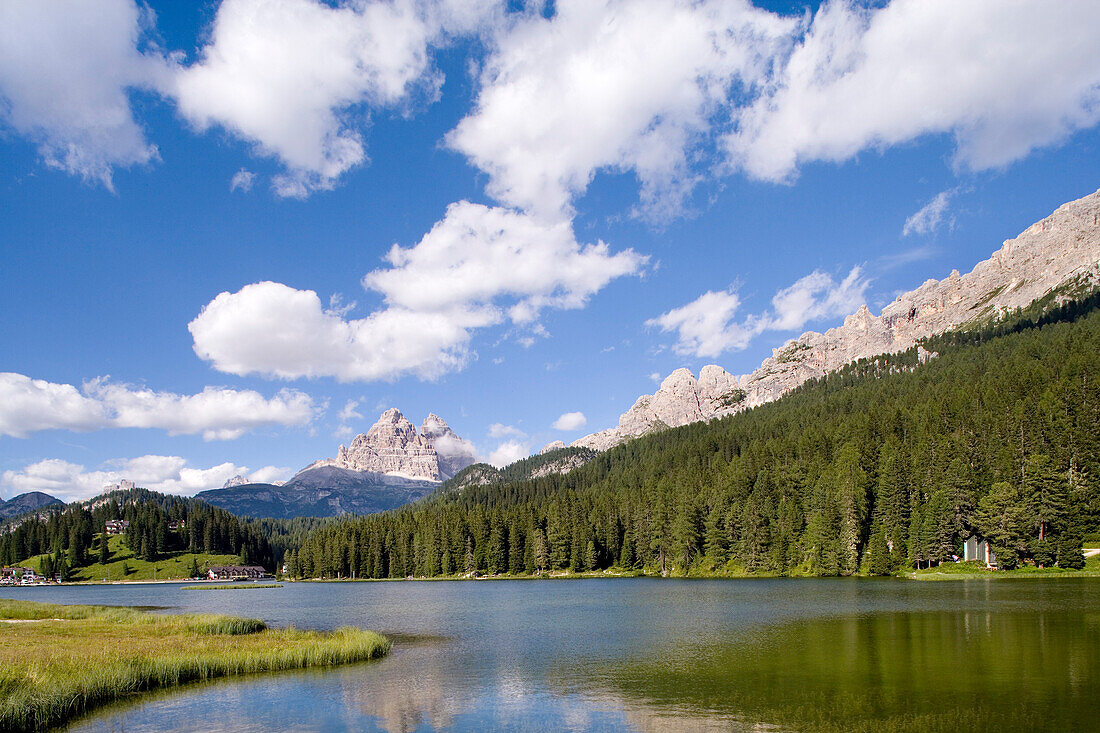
[124, 565]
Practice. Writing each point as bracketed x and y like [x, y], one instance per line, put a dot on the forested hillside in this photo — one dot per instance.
[74, 537]
[887, 464]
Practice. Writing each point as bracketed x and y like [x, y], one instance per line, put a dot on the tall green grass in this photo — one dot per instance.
[63, 661]
[242, 586]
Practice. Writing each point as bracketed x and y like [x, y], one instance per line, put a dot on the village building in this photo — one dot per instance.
[19, 576]
[13, 576]
[117, 526]
[235, 572]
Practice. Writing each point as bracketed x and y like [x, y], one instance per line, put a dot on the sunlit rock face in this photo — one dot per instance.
[393, 447]
[1059, 255]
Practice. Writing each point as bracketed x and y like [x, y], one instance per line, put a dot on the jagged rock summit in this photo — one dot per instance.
[682, 399]
[237, 480]
[552, 445]
[393, 447]
[1059, 255]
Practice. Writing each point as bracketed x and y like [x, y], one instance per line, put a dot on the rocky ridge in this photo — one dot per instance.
[393, 447]
[1061, 251]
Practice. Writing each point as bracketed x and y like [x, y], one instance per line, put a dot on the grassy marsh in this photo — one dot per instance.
[58, 662]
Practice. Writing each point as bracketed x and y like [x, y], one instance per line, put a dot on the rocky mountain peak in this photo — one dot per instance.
[392, 446]
[453, 452]
[1059, 255]
[237, 480]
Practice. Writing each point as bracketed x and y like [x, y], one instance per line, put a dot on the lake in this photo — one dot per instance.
[651, 654]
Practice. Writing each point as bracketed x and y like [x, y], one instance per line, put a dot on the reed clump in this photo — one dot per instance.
[58, 662]
[242, 586]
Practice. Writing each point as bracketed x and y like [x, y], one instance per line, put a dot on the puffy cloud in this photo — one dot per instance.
[928, 218]
[1001, 77]
[66, 69]
[270, 474]
[478, 254]
[451, 447]
[167, 474]
[476, 266]
[706, 327]
[509, 452]
[646, 87]
[817, 296]
[295, 76]
[29, 405]
[275, 330]
[570, 421]
[499, 430]
[623, 85]
[218, 413]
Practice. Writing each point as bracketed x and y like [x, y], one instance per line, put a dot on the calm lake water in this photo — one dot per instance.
[652, 655]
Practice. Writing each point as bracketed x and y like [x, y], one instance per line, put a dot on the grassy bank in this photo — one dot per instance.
[242, 586]
[964, 570]
[58, 662]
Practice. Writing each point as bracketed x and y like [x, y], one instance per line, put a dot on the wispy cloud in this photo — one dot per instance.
[930, 216]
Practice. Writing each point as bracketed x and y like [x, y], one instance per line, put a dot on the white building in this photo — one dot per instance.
[979, 550]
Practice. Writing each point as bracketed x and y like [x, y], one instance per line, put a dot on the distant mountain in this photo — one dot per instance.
[393, 447]
[325, 491]
[24, 503]
[1056, 258]
[390, 465]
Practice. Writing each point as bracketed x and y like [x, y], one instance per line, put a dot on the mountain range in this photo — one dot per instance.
[1058, 257]
[393, 463]
[389, 465]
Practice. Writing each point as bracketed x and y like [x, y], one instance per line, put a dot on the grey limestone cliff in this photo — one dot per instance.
[393, 447]
[1061, 252]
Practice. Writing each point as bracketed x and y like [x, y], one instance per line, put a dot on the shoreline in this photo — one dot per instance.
[1091, 570]
[62, 661]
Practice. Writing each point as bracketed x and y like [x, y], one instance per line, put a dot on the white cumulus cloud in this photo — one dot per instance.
[707, 326]
[296, 77]
[1002, 78]
[570, 421]
[476, 267]
[66, 73]
[167, 474]
[509, 452]
[478, 256]
[619, 85]
[500, 430]
[275, 330]
[217, 413]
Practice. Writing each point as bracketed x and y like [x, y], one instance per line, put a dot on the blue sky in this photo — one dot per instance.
[199, 207]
